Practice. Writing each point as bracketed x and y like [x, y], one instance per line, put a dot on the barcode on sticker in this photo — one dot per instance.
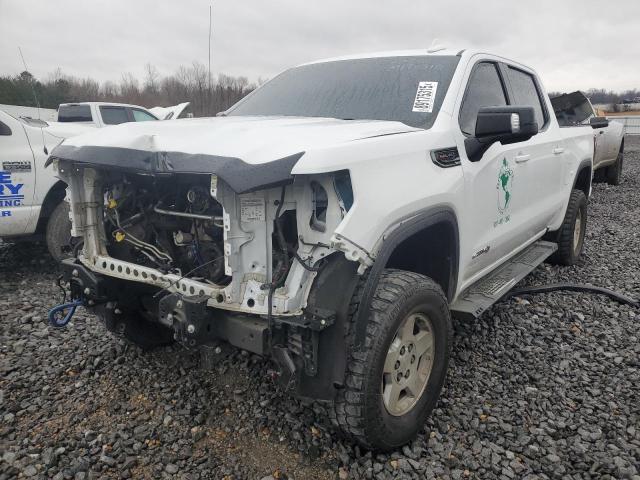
[425, 97]
[252, 209]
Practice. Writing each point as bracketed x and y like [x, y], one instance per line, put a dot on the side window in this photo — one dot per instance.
[525, 93]
[74, 113]
[114, 115]
[483, 90]
[142, 116]
[5, 130]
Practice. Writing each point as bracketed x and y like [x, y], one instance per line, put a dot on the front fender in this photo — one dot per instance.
[397, 234]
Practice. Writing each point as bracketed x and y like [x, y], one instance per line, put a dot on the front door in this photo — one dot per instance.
[16, 177]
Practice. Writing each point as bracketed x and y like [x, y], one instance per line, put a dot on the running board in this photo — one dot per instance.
[488, 290]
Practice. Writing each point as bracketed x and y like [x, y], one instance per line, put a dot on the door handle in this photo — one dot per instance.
[522, 158]
[558, 151]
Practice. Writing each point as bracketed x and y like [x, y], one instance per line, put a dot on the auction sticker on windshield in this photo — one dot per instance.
[425, 97]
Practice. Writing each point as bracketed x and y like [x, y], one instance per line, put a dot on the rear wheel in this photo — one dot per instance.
[570, 237]
[614, 172]
[393, 383]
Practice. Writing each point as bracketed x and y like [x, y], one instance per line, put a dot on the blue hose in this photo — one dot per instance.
[56, 318]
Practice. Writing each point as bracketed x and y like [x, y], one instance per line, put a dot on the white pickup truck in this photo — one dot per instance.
[333, 220]
[576, 109]
[103, 114]
[30, 195]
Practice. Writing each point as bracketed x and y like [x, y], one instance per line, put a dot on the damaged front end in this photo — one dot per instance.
[261, 269]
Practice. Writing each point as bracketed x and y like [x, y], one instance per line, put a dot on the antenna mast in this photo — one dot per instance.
[209, 77]
[33, 89]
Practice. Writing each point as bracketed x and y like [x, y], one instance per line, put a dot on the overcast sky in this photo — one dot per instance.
[574, 44]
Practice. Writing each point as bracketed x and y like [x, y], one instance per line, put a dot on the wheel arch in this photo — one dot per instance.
[53, 197]
[427, 243]
[582, 180]
[339, 287]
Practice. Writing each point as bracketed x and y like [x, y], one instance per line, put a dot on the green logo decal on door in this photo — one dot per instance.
[503, 189]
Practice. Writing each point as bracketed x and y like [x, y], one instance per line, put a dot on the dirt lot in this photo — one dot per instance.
[540, 387]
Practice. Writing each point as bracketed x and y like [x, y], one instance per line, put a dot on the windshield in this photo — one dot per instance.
[404, 89]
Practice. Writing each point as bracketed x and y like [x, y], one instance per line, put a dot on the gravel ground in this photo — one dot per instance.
[540, 387]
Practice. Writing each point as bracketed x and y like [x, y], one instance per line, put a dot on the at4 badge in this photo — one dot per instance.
[503, 189]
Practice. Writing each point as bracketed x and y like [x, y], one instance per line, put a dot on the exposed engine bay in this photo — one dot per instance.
[191, 234]
[175, 227]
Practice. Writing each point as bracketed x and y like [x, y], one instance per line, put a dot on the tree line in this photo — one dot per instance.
[602, 96]
[208, 96]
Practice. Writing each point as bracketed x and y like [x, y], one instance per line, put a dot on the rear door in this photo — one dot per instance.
[17, 180]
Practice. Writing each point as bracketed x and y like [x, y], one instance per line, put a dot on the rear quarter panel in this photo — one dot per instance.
[578, 153]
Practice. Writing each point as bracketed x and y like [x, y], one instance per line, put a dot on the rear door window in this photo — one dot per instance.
[74, 113]
[525, 93]
[484, 89]
[114, 115]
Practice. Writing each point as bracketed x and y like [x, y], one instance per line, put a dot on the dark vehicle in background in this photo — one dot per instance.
[574, 109]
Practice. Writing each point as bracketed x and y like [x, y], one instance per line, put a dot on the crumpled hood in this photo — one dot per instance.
[252, 139]
[248, 153]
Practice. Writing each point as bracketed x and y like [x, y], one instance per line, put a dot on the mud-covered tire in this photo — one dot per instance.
[135, 328]
[614, 172]
[570, 236]
[58, 234]
[359, 409]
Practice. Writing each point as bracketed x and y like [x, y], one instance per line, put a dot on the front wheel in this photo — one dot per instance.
[393, 383]
[58, 235]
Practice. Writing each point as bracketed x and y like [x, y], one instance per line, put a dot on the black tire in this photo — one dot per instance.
[600, 175]
[359, 408]
[614, 172]
[570, 245]
[58, 234]
[135, 328]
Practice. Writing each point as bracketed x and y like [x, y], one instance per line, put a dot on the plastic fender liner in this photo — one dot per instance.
[241, 176]
[332, 289]
[584, 165]
[413, 225]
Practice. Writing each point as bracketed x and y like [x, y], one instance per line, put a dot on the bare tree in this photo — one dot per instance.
[129, 91]
[187, 84]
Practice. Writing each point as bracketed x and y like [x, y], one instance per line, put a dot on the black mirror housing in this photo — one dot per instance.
[509, 124]
[598, 122]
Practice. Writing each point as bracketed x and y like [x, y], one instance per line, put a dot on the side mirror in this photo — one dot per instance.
[598, 122]
[510, 124]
